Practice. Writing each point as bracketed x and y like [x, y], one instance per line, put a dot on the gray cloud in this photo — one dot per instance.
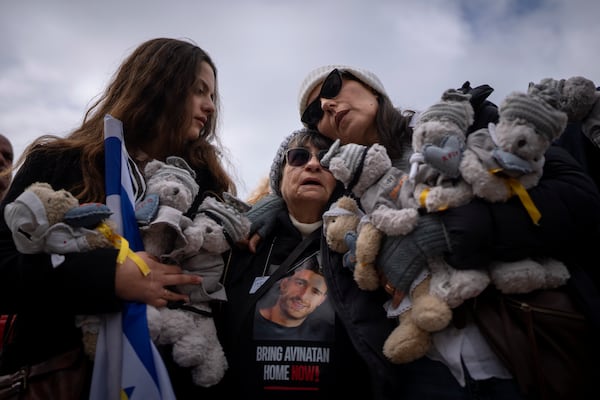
[57, 56]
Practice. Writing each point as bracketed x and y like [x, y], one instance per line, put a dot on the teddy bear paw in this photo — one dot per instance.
[366, 277]
[212, 369]
[154, 321]
[465, 284]
[521, 276]
[204, 355]
[395, 222]
[406, 343]
[557, 273]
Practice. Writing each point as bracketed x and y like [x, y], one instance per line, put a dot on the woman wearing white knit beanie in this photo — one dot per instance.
[363, 94]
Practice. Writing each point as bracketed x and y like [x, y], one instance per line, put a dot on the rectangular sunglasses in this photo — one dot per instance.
[330, 89]
[299, 156]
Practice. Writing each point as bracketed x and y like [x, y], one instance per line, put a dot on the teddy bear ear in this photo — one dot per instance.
[348, 203]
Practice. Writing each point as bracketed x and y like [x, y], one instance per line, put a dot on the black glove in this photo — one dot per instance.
[402, 258]
[485, 111]
[262, 214]
[478, 94]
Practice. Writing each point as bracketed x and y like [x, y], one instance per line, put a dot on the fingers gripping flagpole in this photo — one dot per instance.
[127, 365]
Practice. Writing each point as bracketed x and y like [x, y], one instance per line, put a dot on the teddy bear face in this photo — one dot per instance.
[337, 227]
[433, 132]
[56, 202]
[173, 181]
[344, 216]
[171, 191]
[205, 233]
[521, 139]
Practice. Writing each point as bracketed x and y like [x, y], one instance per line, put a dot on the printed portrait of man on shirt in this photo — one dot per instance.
[296, 307]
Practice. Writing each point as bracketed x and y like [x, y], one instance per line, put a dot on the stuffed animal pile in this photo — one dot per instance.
[448, 169]
[197, 244]
[505, 160]
[382, 191]
[379, 188]
[438, 141]
[42, 219]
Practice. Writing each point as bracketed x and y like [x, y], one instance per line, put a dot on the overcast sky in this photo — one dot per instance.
[56, 56]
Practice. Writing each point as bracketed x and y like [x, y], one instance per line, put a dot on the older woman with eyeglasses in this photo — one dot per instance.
[351, 104]
[303, 352]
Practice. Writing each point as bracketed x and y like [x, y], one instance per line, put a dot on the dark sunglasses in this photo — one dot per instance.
[330, 89]
[299, 156]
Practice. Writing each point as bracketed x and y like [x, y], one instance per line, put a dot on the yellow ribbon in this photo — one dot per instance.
[423, 197]
[517, 188]
[123, 245]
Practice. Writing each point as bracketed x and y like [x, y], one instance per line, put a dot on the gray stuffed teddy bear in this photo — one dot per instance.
[580, 100]
[505, 160]
[196, 244]
[382, 191]
[438, 140]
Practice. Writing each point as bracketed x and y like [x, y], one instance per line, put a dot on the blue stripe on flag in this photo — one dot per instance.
[135, 326]
[136, 371]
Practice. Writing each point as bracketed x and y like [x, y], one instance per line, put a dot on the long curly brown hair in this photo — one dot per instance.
[149, 93]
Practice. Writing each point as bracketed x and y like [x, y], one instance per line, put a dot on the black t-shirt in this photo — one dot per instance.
[313, 359]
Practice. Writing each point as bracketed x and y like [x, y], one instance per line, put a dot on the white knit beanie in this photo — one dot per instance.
[318, 75]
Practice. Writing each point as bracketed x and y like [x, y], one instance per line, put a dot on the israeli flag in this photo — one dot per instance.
[127, 364]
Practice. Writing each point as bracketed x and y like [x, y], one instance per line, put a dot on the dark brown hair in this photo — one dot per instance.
[149, 94]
